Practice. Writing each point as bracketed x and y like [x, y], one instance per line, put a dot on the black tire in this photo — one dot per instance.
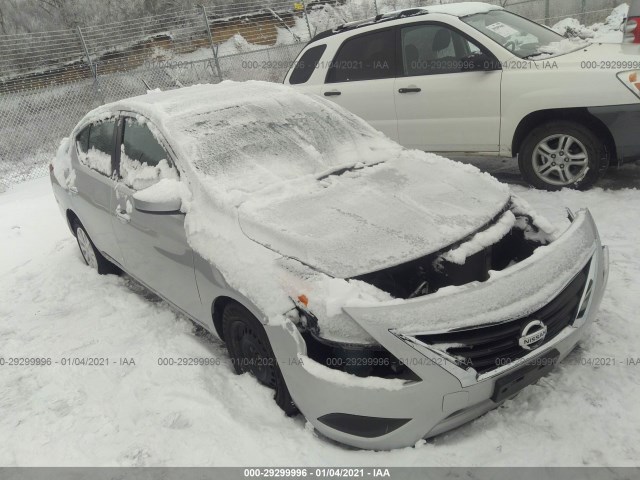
[101, 264]
[556, 170]
[251, 352]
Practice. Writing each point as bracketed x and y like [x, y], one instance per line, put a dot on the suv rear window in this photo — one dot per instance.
[366, 57]
[303, 69]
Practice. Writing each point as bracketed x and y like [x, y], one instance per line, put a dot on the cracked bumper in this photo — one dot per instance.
[448, 395]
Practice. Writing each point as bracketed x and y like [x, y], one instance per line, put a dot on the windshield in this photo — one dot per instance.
[522, 37]
[268, 139]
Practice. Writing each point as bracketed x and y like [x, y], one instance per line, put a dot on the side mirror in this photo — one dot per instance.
[157, 206]
[480, 62]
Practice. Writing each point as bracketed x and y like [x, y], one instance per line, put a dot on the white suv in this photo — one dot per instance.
[475, 78]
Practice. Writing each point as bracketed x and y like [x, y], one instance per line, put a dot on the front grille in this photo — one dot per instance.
[488, 347]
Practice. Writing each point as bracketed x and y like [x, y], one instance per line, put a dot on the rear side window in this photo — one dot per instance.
[95, 146]
[303, 69]
[365, 57]
[143, 160]
[82, 140]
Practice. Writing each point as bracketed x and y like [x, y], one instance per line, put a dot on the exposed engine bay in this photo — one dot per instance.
[468, 260]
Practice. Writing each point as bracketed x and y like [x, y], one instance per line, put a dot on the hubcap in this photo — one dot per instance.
[560, 160]
[86, 248]
[253, 356]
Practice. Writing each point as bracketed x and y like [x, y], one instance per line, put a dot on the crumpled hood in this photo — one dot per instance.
[374, 217]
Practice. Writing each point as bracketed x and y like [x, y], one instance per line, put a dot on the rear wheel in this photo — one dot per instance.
[562, 154]
[90, 253]
[251, 352]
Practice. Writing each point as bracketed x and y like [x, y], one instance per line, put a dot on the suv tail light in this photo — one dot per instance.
[632, 30]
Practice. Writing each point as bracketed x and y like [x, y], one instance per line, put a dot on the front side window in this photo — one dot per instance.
[95, 146]
[433, 49]
[304, 68]
[521, 36]
[143, 160]
[365, 57]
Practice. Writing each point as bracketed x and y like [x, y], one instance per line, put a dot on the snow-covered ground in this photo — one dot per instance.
[54, 307]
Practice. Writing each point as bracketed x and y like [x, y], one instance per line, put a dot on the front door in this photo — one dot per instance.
[154, 245]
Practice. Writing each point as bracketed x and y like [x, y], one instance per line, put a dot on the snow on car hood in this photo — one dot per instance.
[572, 52]
[374, 217]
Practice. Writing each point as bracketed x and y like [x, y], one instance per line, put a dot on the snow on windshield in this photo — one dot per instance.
[272, 138]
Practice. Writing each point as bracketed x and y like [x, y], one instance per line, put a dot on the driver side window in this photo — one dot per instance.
[434, 50]
[143, 160]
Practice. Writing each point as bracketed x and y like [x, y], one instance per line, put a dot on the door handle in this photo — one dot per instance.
[123, 216]
[73, 191]
[332, 93]
[410, 90]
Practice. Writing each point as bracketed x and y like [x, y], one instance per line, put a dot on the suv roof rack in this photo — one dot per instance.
[383, 17]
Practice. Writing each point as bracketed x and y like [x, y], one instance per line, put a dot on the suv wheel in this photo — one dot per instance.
[90, 253]
[562, 154]
[251, 352]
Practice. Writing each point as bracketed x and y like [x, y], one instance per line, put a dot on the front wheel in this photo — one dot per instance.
[251, 352]
[562, 154]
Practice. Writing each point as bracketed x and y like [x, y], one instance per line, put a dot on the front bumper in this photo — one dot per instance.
[379, 413]
[622, 121]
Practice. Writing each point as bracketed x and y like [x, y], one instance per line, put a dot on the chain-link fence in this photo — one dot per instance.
[49, 80]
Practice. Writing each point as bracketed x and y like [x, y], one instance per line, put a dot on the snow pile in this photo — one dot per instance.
[566, 45]
[97, 160]
[62, 169]
[482, 240]
[463, 9]
[141, 175]
[606, 32]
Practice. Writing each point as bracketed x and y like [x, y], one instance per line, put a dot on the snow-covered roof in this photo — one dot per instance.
[460, 9]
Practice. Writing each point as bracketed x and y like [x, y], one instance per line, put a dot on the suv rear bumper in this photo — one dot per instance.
[377, 413]
[622, 121]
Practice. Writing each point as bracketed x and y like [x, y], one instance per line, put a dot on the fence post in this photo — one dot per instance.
[547, 12]
[375, 6]
[92, 66]
[214, 49]
[306, 17]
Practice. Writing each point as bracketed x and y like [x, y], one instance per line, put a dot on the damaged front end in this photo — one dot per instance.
[450, 355]
[507, 239]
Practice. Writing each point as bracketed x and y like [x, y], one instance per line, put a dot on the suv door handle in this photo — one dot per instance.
[410, 90]
[332, 93]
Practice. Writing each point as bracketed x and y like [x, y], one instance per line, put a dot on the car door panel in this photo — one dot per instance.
[92, 195]
[371, 100]
[361, 79]
[441, 105]
[155, 247]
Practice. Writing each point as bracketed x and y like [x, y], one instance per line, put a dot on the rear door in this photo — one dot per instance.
[441, 105]
[361, 78]
[154, 245]
[94, 184]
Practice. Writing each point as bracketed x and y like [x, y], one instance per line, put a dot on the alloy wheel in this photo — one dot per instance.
[560, 160]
